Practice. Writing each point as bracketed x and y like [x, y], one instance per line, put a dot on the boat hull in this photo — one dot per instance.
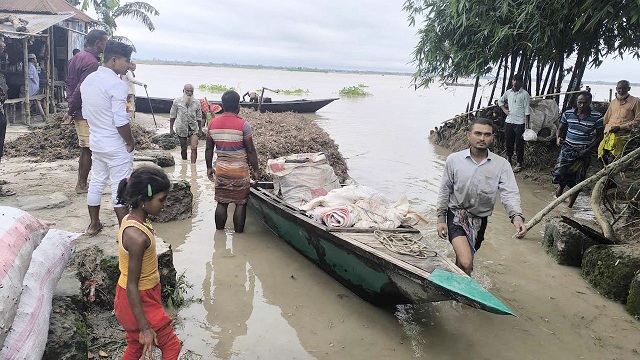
[163, 105]
[365, 274]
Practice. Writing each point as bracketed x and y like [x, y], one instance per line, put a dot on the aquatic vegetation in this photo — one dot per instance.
[292, 91]
[353, 91]
[362, 85]
[214, 88]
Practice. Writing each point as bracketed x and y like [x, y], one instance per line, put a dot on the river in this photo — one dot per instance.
[257, 298]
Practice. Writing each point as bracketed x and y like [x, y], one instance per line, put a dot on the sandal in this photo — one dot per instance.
[96, 232]
[517, 168]
[6, 192]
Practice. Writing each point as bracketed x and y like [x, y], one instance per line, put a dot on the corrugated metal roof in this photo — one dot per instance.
[37, 22]
[43, 6]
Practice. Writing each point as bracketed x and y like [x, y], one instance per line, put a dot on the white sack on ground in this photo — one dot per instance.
[20, 234]
[544, 114]
[28, 335]
[302, 177]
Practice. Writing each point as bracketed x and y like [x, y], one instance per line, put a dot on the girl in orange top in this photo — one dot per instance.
[137, 304]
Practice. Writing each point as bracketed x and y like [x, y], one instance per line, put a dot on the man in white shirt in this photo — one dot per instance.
[104, 99]
[515, 104]
[130, 78]
[34, 78]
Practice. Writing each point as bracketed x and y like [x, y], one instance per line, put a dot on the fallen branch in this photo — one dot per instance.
[605, 172]
[596, 199]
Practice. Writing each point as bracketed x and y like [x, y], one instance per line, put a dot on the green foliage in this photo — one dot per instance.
[467, 38]
[175, 296]
[108, 11]
[353, 91]
[363, 85]
[292, 91]
[214, 88]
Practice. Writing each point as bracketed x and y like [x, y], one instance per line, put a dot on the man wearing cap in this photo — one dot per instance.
[34, 78]
[186, 114]
[515, 104]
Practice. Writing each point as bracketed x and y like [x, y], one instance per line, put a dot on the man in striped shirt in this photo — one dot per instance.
[581, 130]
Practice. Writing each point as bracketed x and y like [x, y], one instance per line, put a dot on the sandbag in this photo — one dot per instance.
[20, 234]
[545, 114]
[28, 335]
[299, 178]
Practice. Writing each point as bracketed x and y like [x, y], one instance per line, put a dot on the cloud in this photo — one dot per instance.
[354, 34]
[338, 34]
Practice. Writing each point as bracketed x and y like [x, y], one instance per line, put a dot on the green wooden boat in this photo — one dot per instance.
[361, 263]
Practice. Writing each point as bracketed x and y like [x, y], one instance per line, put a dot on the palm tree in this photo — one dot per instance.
[109, 11]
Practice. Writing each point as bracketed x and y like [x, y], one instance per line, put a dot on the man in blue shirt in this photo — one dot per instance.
[581, 130]
[515, 104]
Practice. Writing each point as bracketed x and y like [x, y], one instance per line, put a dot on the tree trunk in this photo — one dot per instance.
[558, 83]
[504, 76]
[495, 82]
[514, 61]
[550, 69]
[475, 90]
[538, 78]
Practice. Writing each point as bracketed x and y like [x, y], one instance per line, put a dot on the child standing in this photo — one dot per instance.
[137, 304]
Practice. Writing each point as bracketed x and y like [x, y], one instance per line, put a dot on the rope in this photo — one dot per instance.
[404, 244]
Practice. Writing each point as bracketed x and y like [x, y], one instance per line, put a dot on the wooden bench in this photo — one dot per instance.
[10, 107]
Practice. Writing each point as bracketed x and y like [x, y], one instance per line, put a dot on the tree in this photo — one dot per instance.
[471, 38]
[109, 11]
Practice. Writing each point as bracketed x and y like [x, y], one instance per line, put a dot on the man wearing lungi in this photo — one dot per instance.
[580, 132]
[470, 182]
[231, 137]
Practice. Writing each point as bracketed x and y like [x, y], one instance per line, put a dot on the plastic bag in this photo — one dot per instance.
[529, 135]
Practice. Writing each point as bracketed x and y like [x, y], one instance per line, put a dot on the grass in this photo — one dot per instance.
[354, 91]
[214, 88]
[175, 297]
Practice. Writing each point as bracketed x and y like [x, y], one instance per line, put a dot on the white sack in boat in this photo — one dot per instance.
[368, 209]
[299, 178]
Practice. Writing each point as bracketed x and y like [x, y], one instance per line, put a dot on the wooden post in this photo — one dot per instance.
[260, 102]
[27, 105]
[49, 88]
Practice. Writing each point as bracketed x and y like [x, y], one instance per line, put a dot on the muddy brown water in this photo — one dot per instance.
[257, 298]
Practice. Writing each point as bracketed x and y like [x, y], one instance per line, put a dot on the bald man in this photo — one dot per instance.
[186, 114]
[621, 122]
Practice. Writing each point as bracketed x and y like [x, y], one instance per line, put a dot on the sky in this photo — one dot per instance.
[328, 34]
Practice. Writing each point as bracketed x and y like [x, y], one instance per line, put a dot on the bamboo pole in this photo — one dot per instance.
[27, 105]
[49, 88]
[605, 172]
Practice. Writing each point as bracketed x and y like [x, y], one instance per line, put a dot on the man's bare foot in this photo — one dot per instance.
[559, 191]
[82, 189]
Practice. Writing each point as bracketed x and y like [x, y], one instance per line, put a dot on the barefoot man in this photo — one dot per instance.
[471, 180]
[580, 132]
[186, 114]
[104, 102]
[80, 66]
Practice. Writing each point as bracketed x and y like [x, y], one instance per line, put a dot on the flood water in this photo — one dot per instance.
[259, 299]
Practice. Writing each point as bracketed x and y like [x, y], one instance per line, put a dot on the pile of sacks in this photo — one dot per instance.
[362, 207]
[308, 182]
[32, 258]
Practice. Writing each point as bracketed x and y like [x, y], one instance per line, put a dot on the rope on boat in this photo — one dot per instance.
[404, 244]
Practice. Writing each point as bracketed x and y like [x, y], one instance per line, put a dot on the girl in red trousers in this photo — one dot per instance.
[137, 304]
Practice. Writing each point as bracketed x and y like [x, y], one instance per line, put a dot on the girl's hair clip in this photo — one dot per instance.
[149, 192]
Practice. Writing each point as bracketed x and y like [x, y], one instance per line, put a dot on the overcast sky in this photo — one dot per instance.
[335, 34]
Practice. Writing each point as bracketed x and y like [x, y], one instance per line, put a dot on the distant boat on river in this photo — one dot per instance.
[459, 84]
[163, 105]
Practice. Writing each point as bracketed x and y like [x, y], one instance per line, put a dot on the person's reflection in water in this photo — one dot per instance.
[228, 293]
